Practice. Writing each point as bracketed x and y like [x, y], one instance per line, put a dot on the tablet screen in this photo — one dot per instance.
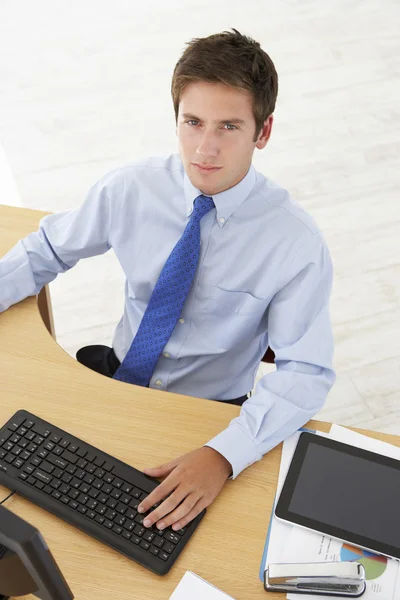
[345, 492]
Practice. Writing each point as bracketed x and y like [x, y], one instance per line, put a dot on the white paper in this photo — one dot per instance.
[193, 587]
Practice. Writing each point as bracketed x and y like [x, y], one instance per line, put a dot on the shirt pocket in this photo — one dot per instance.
[227, 318]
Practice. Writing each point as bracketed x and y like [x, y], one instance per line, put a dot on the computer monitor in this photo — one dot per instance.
[26, 563]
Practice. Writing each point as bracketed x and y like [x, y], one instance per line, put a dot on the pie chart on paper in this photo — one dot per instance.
[374, 564]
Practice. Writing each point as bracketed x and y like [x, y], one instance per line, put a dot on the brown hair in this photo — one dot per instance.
[234, 60]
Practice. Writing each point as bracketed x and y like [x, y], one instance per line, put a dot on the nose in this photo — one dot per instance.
[207, 145]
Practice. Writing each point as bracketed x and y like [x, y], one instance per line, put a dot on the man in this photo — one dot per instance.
[220, 263]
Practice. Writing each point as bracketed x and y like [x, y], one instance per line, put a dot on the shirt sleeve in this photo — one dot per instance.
[300, 334]
[60, 242]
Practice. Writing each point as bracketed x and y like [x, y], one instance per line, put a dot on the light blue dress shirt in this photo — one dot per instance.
[263, 279]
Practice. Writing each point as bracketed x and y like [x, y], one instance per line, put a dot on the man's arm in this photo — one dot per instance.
[300, 334]
[60, 242]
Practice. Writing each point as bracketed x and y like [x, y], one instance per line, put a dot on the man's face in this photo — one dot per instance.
[204, 139]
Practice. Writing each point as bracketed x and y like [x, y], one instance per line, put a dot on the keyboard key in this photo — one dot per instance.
[108, 524]
[154, 550]
[57, 461]
[75, 483]
[126, 534]
[94, 494]
[119, 520]
[116, 493]
[41, 430]
[42, 453]
[56, 494]
[23, 475]
[73, 447]
[91, 514]
[54, 438]
[117, 529]
[101, 509]
[49, 446]
[172, 537]
[4, 436]
[108, 478]
[81, 463]
[81, 452]
[55, 483]
[18, 463]
[99, 462]
[158, 541]
[66, 477]
[31, 480]
[149, 536]
[126, 488]
[64, 443]
[73, 504]
[82, 498]
[58, 450]
[27, 423]
[135, 539]
[64, 488]
[125, 498]
[99, 519]
[82, 509]
[45, 477]
[70, 469]
[84, 487]
[110, 514]
[46, 466]
[111, 503]
[144, 544]
[69, 456]
[139, 530]
[48, 489]
[64, 499]
[163, 555]
[91, 503]
[129, 525]
[121, 508]
[168, 547]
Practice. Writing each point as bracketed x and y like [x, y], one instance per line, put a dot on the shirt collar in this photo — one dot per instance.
[226, 202]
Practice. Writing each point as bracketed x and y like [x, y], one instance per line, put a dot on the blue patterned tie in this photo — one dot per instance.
[166, 302]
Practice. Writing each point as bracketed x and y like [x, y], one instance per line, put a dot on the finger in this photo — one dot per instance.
[196, 510]
[158, 494]
[160, 471]
[166, 507]
[180, 512]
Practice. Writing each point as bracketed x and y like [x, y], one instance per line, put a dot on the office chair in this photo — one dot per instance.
[269, 356]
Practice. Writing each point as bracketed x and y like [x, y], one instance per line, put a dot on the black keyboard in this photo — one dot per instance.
[88, 488]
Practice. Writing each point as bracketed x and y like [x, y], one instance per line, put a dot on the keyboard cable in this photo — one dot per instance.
[7, 497]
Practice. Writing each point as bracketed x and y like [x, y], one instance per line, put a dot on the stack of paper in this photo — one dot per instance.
[193, 587]
[291, 544]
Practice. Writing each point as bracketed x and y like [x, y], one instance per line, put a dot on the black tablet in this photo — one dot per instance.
[345, 492]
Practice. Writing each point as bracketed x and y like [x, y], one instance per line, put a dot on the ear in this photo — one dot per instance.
[265, 134]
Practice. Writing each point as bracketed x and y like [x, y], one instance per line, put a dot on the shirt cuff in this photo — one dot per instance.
[236, 446]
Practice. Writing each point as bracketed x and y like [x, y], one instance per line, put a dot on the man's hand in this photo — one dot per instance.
[193, 481]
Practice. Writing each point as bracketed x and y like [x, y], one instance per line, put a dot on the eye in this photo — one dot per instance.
[230, 124]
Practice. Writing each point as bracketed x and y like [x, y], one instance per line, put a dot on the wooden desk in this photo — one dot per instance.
[151, 427]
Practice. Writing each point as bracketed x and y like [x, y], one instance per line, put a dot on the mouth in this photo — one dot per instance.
[208, 170]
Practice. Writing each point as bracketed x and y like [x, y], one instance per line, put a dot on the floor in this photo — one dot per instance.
[85, 89]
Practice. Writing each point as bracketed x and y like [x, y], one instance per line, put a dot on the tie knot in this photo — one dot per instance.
[202, 205]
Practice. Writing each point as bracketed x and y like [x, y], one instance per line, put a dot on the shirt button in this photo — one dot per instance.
[222, 220]
[166, 354]
[181, 320]
[158, 382]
